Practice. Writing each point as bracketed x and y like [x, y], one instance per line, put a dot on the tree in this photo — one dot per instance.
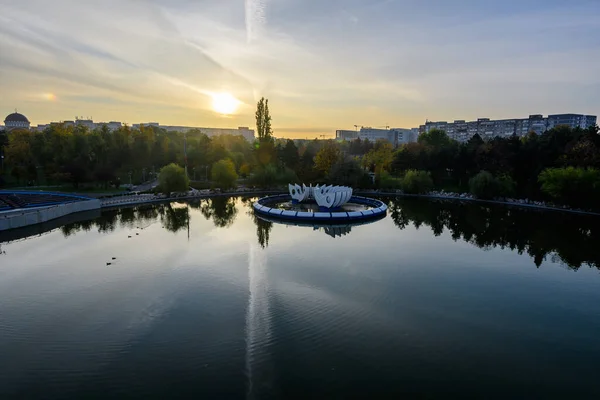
[327, 157]
[484, 185]
[349, 173]
[578, 186]
[263, 120]
[223, 174]
[417, 182]
[435, 138]
[245, 170]
[381, 157]
[172, 178]
[289, 155]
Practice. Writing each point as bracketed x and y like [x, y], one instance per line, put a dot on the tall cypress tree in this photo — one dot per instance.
[263, 120]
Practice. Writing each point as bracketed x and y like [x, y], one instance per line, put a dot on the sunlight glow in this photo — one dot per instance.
[224, 103]
[49, 96]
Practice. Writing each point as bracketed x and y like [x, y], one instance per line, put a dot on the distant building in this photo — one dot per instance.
[16, 121]
[572, 120]
[395, 136]
[346, 134]
[462, 130]
[244, 131]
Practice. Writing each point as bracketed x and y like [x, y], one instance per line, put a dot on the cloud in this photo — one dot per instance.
[256, 18]
[321, 63]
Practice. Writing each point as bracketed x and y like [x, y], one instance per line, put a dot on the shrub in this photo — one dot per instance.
[417, 182]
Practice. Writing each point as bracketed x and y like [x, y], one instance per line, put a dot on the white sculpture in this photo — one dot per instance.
[299, 193]
[325, 196]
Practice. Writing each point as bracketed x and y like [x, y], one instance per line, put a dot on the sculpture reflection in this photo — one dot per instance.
[568, 238]
[333, 230]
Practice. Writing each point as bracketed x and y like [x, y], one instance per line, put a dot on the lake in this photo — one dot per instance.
[205, 300]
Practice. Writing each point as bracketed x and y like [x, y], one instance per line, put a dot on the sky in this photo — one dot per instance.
[323, 64]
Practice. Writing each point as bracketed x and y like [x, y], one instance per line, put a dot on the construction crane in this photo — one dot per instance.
[356, 126]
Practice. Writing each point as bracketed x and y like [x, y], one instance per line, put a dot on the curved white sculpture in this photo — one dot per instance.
[325, 196]
[299, 193]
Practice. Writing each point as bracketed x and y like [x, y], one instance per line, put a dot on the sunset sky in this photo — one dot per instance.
[323, 64]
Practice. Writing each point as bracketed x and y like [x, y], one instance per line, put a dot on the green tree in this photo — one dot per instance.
[263, 120]
[417, 182]
[223, 174]
[484, 185]
[570, 185]
[349, 173]
[172, 178]
[289, 155]
[435, 138]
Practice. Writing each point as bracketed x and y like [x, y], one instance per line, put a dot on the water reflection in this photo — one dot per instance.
[567, 238]
[174, 217]
[222, 210]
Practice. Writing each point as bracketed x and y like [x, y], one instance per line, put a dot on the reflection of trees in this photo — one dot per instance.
[175, 218]
[221, 210]
[263, 228]
[573, 239]
[109, 220]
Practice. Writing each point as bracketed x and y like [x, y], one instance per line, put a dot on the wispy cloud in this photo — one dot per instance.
[323, 64]
[256, 18]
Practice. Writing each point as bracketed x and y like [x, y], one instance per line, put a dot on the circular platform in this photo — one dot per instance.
[268, 206]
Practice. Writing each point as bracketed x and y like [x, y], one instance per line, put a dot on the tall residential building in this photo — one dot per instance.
[396, 136]
[462, 130]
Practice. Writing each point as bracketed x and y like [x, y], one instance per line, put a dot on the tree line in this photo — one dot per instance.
[561, 165]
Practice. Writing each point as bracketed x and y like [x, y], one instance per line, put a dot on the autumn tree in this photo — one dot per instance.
[326, 157]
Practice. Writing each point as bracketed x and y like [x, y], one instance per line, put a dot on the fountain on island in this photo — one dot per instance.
[322, 204]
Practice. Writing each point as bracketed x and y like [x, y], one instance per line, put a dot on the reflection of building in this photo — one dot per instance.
[462, 130]
[335, 230]
[16, 121]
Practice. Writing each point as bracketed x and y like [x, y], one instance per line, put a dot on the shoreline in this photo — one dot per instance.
[27, 216]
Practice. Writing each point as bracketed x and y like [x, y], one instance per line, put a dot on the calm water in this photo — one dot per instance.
[206, 301]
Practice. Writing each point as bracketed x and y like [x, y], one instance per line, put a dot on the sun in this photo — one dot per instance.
[224, 103]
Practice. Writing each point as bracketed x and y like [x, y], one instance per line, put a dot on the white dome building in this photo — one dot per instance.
[16, 121]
